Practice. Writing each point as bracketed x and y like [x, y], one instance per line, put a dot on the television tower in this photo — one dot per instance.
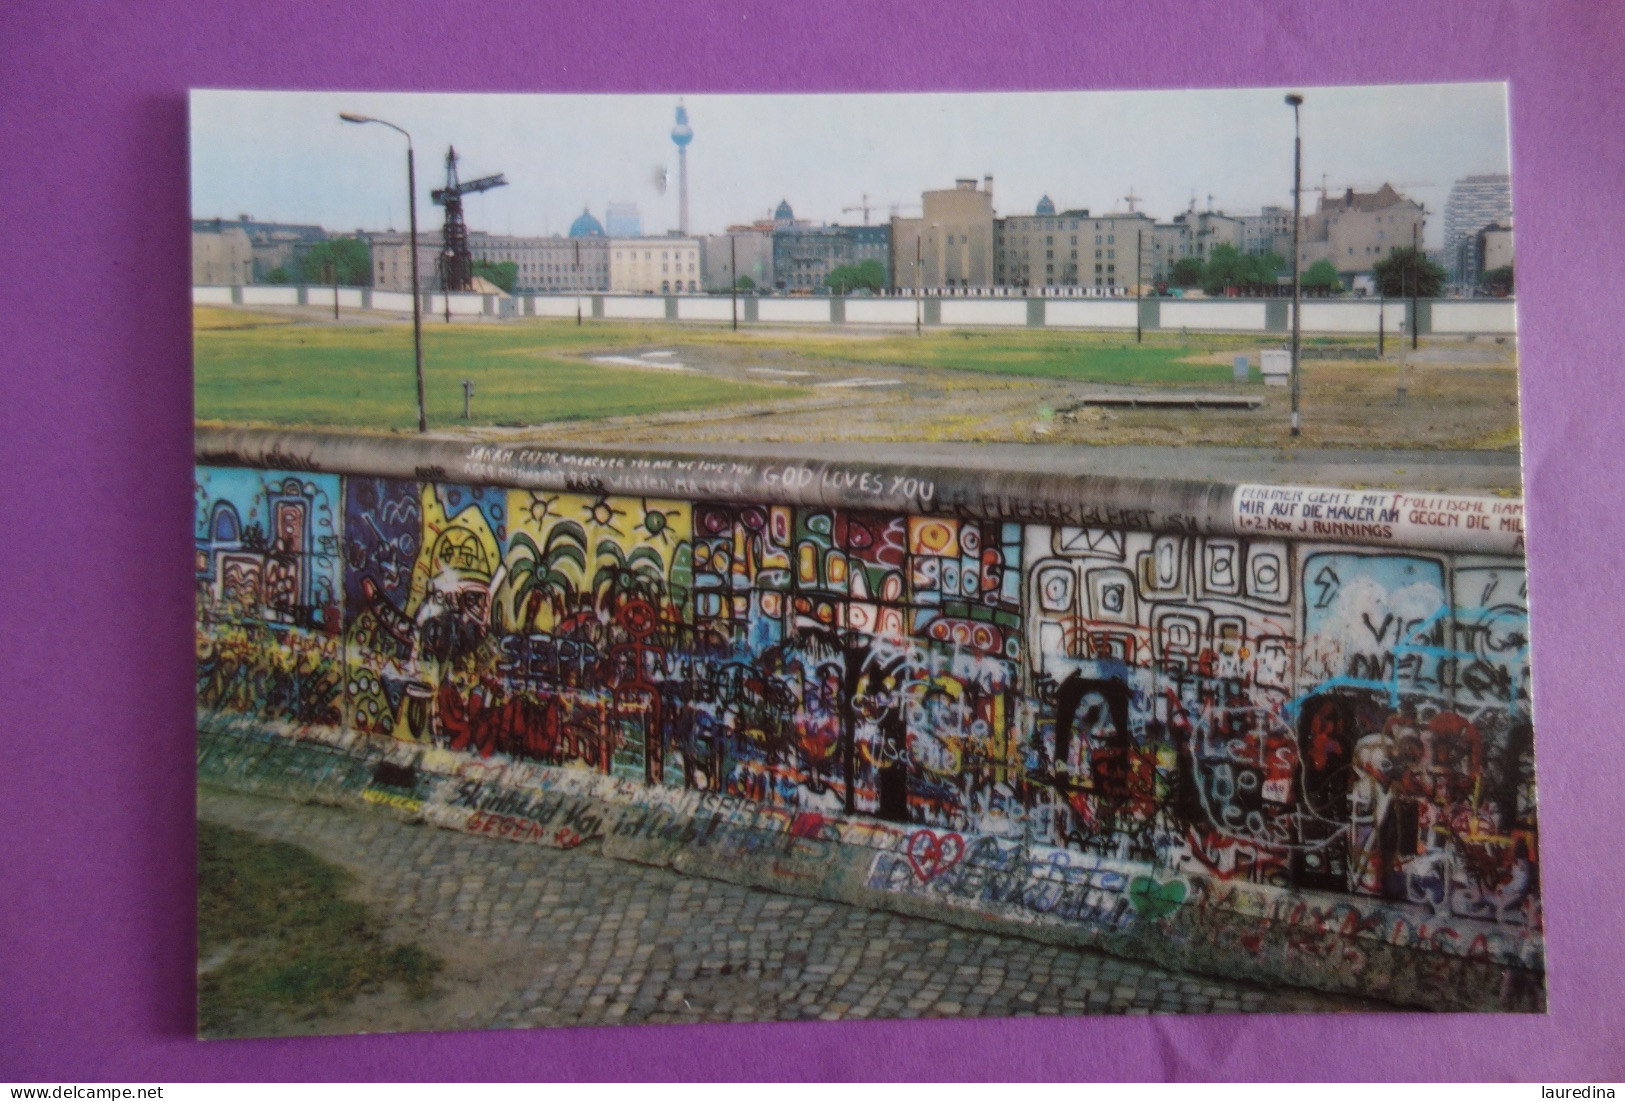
[681, 135]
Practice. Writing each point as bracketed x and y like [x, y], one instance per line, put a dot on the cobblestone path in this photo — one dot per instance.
[534, 936]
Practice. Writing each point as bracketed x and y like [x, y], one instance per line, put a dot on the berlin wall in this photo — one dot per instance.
[1265, 731]
[1328, 317]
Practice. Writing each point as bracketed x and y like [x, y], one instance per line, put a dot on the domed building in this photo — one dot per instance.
[586, 226]
[783, 215]
[1045, 207]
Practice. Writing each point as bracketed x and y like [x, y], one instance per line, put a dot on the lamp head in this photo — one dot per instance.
[1293, 99]
[348, 117]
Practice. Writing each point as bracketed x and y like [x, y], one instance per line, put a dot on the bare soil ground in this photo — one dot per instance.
[1457, 396]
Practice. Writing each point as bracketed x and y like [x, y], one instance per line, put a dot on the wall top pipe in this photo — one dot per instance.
[1438, 521]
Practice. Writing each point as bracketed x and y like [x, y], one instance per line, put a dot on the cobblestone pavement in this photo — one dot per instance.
[535, 936]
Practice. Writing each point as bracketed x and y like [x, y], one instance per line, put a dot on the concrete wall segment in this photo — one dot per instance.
[881, 311]
[648, 308]
[717, 308]
[1086, 314]
[1491, 316]
[1091, 709]
[1354, 316]
[795, 310]
[1237, 316]
[977, 311]
[1459, 522]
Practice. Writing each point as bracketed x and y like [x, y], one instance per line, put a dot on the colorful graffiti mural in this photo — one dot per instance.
[1179, 708]
[267, 572]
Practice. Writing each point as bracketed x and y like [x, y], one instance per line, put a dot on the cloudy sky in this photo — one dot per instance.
[286, 156]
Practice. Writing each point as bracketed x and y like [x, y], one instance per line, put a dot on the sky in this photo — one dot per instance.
[287, 157]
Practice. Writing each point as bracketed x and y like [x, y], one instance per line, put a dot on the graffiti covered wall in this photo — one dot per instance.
[1290, 758]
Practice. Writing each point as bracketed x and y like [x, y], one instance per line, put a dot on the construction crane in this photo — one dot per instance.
[456, 264]
[866, 206]
[1366, 185]
[1131, 199]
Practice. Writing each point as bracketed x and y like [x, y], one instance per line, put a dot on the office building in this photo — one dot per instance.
[1474, 202]
[550, 265]
[727, 256]
[951, 244]
[1357, 230]
[654, 265]
[1073, 249]
[221, 254]
[804, 256]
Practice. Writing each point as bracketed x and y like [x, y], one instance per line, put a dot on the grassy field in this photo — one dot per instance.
[1162, 360]
[268, 371]
[762, 383]
[278, 938]
[263, 368]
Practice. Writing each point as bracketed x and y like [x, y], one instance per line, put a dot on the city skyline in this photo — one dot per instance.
[286, 156]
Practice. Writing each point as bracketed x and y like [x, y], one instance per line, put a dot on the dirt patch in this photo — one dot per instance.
[1446, 405]
[471, 967]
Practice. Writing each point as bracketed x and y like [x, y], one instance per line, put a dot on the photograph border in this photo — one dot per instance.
[102, 844]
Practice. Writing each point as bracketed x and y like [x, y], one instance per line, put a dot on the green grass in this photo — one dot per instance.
[1057, 355]
[257, 368]
[362, 376]
[283, 939]
[205, 318]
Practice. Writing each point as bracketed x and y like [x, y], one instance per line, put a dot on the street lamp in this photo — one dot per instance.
[412, 208]
[1139, 282]
[919, 298]
[1295, 101]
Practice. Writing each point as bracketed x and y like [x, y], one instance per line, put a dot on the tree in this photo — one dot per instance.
[504, 275]
[1223, 269]
[1265, 270]
[278, 276]
[1186, 273]
[746, 283]
[1226, 267]
[1322, 276]
[1499, 281]
[1408, 273]
[869, 275]
[349, 255]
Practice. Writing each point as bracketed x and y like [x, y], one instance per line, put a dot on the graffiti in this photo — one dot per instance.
[1036, 884]
[260, 761]
[1057, 711]
[1405, 519]
[929, 854]
[1154, 900]
[392, 799]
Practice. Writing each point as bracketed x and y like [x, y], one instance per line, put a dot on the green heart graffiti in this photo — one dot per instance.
[1153, 900]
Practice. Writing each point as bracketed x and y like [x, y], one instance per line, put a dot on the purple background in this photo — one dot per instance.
[96, 929]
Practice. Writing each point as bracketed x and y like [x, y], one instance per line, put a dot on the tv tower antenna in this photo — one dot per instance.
[681, 135]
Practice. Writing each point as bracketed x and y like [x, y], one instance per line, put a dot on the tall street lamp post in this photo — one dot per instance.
[1139, 283]
[919, 293]
[412, 209]
[1295, 101]
[1416, 283]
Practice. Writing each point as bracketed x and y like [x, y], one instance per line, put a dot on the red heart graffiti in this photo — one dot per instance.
[930, 855]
